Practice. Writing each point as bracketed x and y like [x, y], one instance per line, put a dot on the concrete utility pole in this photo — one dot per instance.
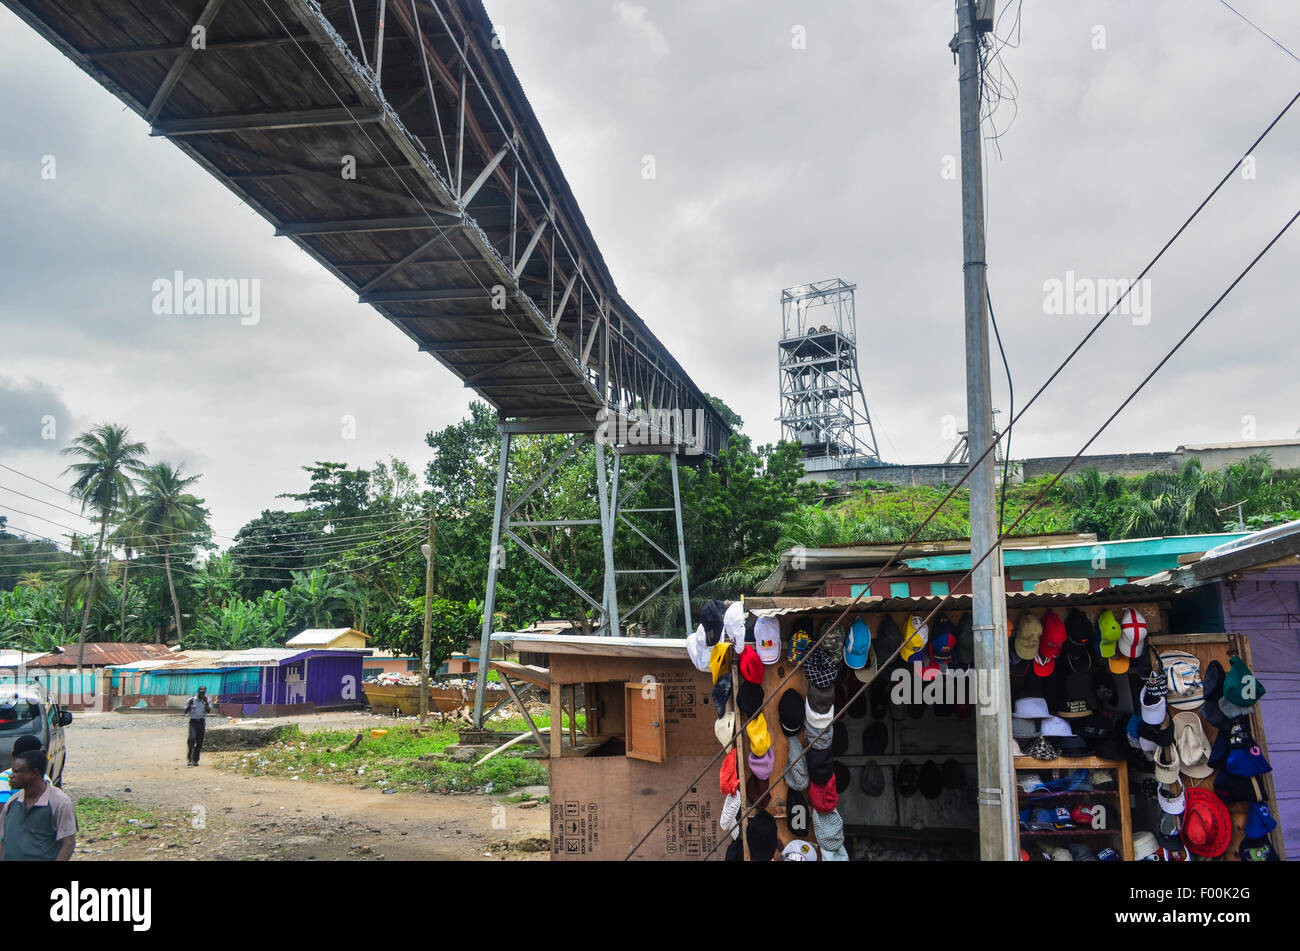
[997, 785]
[428, 622]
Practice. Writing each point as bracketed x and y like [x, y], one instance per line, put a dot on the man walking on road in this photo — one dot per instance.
[198, 708]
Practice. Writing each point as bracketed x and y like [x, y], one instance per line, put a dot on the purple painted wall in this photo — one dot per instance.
[1265, 606]
[333, 680]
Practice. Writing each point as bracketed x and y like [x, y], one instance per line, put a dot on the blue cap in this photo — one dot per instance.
[1260, 822]
[857, 644]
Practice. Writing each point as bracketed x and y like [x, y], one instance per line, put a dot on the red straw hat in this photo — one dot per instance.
[1207, 826]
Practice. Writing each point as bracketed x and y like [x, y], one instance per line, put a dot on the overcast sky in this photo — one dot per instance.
[787, 148]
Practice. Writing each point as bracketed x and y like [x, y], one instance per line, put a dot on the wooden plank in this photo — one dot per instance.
[557, 717]
[537, 676]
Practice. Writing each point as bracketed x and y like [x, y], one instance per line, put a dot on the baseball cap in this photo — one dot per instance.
[725, 727]
[721, 694]
[916, 634]
[759, 739]
[815, 720]
[1240, 688]
[767, 639]
[790, 711]
[1108, 636]
[719, 662]
[733, 624]
[751, 668]
[1028, 632]
[943, 644]
[857, 644]
[698, 649]
[1049, 645]
[1132, 640]
[1259, 821]
[888, 637]
[800, 643]
[820, 668]
[799, 850]
[711, 620]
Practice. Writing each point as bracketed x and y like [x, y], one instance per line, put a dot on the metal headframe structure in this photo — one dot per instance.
[823, 405]
[393, 142]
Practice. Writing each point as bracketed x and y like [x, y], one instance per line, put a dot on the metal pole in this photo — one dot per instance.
[428, 626]
[996, 799]
[681, 541]
[489, 600]
[607, 536]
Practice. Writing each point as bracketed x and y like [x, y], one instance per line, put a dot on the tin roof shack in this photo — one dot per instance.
[167, 684]
[649, 732]
[90, 687]
[1251, 587]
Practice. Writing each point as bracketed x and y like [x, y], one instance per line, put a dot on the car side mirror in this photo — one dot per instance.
[64, 718]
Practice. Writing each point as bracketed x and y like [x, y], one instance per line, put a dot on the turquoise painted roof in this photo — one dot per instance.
[1132, 557]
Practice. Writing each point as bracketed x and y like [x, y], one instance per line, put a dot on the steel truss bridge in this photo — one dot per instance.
[392, 141]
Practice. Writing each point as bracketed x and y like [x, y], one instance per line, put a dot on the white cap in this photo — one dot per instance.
[733, 625]
[767, 639]
[1153, 713]
[818, 721]
[799, 850]
[698, 649]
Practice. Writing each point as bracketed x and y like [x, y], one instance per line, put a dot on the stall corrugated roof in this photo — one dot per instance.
[105, 654]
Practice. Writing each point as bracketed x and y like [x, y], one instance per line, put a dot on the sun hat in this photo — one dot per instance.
[799, 645]
[1028, 632]
[1132, 640]
[1193, 745]
[790, 712]
[1030, 708]
[767, 639]
[725, 727]
[1049, 645]
[1172, 797]
[1183, 675]
[1259, 821]
[916, 634]
[1167, 764]
[1055, 726]
[760, 833]
[1240, 688]
[799, 850]
[761, 766]
[857, 644]
[816, 720]
[719, 662]
[1144, 846]
[1154, 710]
[759, 739]
[698, 649]
[1207, 827]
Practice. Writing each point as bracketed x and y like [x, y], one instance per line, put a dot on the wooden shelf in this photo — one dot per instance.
[1124, 830]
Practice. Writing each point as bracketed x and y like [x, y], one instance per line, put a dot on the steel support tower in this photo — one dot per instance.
[823, 405]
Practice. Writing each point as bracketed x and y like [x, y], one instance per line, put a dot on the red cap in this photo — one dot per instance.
[751, 668]
[823, 796]
[1049, 644]
[728, 779]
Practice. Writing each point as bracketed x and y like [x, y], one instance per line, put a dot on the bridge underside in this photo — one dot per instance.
[393, 143]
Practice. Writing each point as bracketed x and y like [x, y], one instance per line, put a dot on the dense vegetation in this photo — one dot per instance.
[348, 553]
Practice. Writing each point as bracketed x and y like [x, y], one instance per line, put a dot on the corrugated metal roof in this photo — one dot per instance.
[957, 602]
[18, 658]
[104, 654]
[320, 636]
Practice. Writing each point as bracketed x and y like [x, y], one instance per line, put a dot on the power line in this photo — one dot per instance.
[1261, 30]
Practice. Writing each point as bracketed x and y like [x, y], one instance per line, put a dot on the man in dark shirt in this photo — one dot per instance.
[39, 822]
[198, 708]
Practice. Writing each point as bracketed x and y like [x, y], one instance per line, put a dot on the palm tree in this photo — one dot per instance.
[126, 536]
[102, 483]
[165, 512]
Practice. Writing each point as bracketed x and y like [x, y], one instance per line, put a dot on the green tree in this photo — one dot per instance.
[102, 482]
[168, 517]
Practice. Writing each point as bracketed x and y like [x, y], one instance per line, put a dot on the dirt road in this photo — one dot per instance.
[210, 813]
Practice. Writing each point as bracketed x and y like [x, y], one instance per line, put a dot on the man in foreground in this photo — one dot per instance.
[198, 708]
[39, 822]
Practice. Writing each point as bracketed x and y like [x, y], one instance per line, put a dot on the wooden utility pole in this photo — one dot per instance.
[428, 622]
